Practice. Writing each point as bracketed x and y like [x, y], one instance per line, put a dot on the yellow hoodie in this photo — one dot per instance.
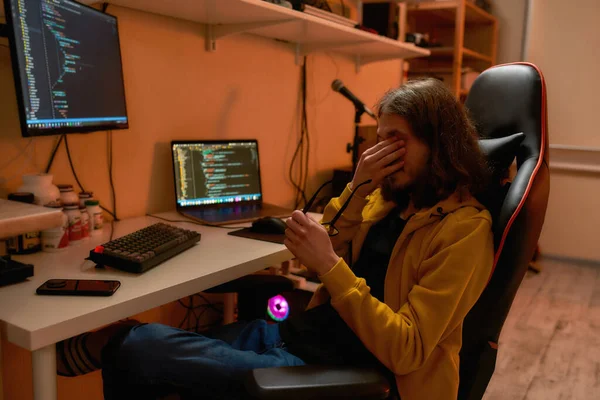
[438, 268]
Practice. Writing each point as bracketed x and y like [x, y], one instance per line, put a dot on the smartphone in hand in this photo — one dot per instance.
[78, 287]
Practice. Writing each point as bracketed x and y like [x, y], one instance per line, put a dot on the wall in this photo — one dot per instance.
[175, 90]
[562, 40]
[511, 28]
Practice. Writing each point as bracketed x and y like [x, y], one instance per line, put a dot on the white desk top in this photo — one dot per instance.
[32, 321]
[17, 218]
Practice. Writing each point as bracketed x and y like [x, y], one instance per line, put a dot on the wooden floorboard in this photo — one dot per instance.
[550, 345]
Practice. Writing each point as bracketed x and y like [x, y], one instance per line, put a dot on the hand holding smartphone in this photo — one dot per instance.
[78, 287]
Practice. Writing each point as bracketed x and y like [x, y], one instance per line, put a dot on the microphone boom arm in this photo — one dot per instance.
[360, 109]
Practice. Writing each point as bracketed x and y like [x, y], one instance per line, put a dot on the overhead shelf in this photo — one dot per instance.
[306, 32]
[467, 54]
[446, 10]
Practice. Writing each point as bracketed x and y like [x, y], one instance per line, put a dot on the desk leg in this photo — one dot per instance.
[44, 373]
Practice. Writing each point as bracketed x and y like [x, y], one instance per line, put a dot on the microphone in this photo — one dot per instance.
[339, 87]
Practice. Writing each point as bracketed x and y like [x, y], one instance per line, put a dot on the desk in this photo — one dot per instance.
[37, 323]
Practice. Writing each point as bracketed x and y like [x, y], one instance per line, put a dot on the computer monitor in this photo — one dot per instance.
[67, 67]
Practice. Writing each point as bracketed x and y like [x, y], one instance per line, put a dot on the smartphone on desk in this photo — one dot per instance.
[78, 287]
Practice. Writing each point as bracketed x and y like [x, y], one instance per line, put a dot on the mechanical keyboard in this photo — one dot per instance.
[146, 248]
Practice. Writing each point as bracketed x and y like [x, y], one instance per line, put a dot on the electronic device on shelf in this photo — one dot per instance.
[218, 182]
[12, 271]
[67, 68]
[146, 248]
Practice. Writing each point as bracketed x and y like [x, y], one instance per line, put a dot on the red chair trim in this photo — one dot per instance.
[537, 167]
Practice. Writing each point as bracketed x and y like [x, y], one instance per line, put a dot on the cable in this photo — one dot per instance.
[71, 164]
[15, 158]
[187, 314]
[77, 178]
[198, 319]
[302, 148]
[191, 310]
[25, 153]
[321, 70]
[189, 221]
[53, 154]
[296, 185]
[291, 177]
[109, 147]
[305, 118]
[112, 230]
[209, 303]
[303, 129]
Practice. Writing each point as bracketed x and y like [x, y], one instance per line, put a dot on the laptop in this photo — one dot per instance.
[218, 182]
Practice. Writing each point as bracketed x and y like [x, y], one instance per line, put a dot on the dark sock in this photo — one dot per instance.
[73, 357]
[82, 354]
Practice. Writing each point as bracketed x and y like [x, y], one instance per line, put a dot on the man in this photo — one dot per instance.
[422, 242]
[421, 252]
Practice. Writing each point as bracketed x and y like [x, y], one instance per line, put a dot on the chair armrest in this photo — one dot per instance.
[316, 382]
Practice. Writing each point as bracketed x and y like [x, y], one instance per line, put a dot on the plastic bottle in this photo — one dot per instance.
[85, 222]
[96, 218]
[83, 196]
[74, 215]
[68, 195]
[41, 186]
[56, 239]
[29, 242]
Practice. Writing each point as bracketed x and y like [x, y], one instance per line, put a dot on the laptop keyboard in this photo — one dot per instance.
[227, 213]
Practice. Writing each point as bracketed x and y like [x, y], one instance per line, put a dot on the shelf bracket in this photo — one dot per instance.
[214, 32]
[357, 63]
[304, 49]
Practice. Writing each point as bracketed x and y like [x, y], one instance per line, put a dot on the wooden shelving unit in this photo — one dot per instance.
[467, 53]
[305, 33]
[468, 36]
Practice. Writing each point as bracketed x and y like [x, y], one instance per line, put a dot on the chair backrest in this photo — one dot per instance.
[505, 100]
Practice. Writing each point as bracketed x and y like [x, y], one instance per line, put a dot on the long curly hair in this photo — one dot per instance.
[439, 120]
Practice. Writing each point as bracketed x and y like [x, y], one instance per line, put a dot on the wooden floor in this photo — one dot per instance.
[550, 345]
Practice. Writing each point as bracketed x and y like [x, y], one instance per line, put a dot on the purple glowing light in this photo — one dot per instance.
[278, 308]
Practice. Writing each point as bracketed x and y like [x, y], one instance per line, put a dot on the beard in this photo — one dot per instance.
[399, 195]
[421, 191]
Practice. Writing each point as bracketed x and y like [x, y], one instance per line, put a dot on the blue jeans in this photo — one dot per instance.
[154, 360]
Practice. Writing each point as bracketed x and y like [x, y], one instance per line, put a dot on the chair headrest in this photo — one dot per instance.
[500, 152]
[508, 99]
